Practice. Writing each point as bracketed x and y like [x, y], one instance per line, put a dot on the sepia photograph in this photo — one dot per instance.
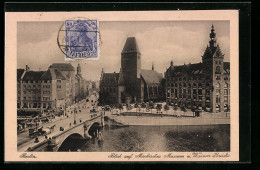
[113, 87]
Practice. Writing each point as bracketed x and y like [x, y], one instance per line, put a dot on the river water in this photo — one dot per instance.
[158, 139]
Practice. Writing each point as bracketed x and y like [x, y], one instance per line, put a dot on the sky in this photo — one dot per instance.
[159, 42]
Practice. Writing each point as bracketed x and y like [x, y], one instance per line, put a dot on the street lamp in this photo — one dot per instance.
[75, 116]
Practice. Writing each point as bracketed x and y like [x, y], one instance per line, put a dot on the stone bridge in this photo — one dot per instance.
[84, 130]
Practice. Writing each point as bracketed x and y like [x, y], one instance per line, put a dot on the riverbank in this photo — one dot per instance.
[165, 121]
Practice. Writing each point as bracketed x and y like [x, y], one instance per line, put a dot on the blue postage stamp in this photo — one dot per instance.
[81, 37]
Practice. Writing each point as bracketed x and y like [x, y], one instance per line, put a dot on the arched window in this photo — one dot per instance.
[217, 69]
[172, 85]
[194, 85]
[184, 85]
[189, 85]
[200, 85]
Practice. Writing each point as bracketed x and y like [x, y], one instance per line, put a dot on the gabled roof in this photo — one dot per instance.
[33, 75]
[130, 46]
[59, 75]
[52, 74]
[110, 78]
[20, 73]
[63, 66]
[151, 76]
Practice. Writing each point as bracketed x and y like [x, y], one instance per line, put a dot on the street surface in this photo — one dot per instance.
[24, 141]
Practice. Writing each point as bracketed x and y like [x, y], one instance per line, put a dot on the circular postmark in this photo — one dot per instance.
[79, 38]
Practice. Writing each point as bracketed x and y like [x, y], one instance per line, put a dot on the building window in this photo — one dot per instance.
[24, 98]
[189, 91]
[18, 98]
[216, 62]
[184, 91]
[34, 98]
[219, 62]
[194, 85]
[39, 86]
[34, 86]
[29, 92]
[58, 86]
[218, 85]
[189, 85]
[207, 92]
[225, 91]
[24, 86]
[29, 98]
[194, 91]
[29, 86]
[58, 81]
[39, 98]
[199, 91]
[24, 92]
[176, 85]
[217, 99]
[184, 85]
[200, 86]
[200, 97]
[217, 69]
[226, 85]
[225, 99]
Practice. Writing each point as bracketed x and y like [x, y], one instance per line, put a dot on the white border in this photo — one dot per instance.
[12, 18]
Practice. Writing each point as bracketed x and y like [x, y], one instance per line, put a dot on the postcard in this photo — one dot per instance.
[122, 86]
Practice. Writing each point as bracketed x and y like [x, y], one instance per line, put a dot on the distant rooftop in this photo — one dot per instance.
[63, 66]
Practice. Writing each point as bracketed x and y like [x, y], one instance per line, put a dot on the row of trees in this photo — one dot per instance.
[148, 106]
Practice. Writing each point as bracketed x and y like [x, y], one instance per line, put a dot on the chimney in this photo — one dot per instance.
[27, 68]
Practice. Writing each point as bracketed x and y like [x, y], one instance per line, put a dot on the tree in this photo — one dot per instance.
[159, 107]
[143, 106]
[166, 107]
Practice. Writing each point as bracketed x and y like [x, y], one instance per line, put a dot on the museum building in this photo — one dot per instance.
[204, 85]
[132, 84]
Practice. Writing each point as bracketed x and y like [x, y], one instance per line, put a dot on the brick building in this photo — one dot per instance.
[205, 84]
[131, 84]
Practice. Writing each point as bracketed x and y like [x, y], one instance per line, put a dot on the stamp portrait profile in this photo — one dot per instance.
[78, 39]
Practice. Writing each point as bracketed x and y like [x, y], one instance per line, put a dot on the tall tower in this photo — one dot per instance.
[131, 65]
[212, 60]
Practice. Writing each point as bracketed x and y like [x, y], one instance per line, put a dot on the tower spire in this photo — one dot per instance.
[152, 66]
[212, 37]
[79, 70]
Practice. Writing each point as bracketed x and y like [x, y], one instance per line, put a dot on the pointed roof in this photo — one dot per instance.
[151, 76]
[130, 46]
[52, 74]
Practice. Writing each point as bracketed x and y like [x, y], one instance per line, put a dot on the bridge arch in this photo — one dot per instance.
[70, 143]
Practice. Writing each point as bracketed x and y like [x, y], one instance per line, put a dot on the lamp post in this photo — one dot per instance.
[75, 122]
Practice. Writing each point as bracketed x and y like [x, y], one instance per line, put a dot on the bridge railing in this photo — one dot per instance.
[30, 149]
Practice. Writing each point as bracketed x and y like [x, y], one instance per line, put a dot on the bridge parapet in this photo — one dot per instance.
[80, 129]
